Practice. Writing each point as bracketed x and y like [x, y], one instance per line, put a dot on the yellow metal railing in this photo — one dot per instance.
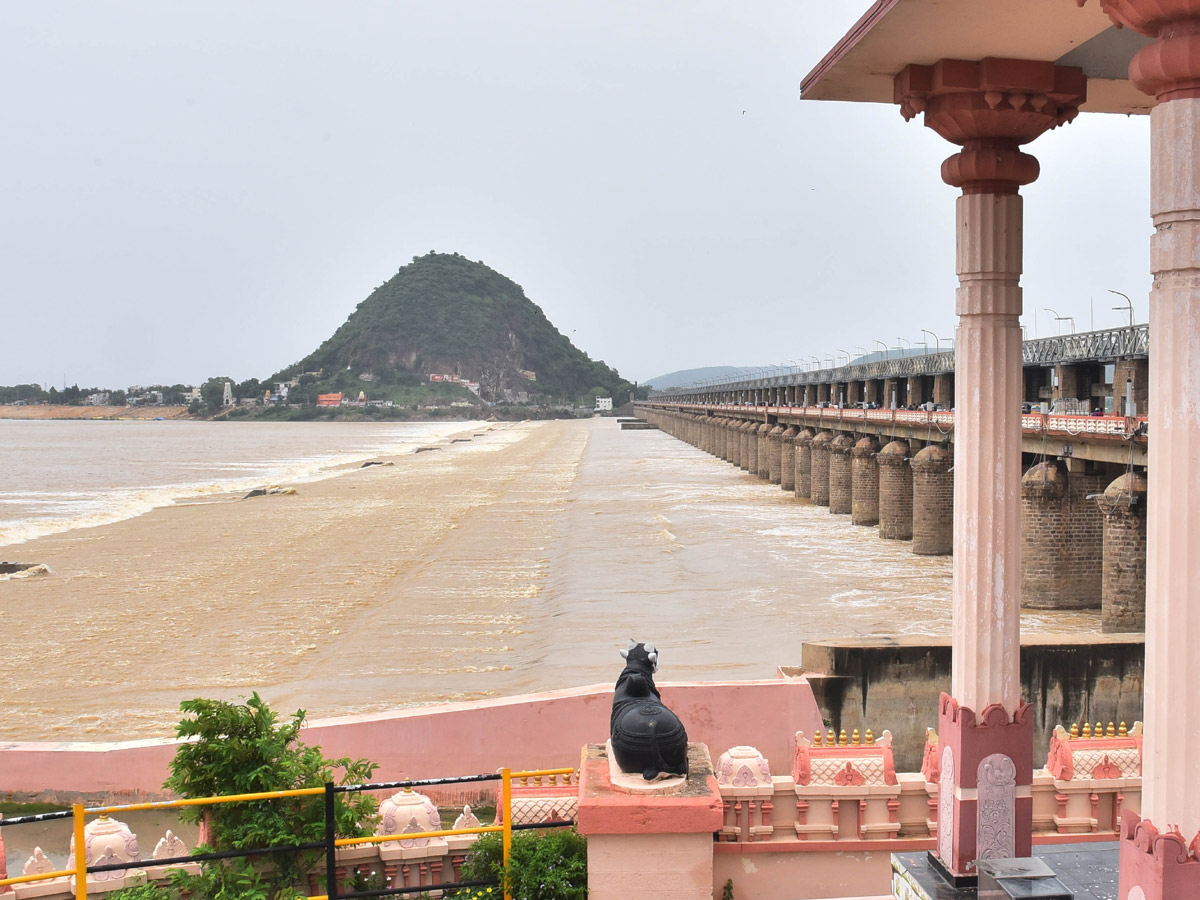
[78, 814]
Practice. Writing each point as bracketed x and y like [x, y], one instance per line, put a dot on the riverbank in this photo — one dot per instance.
[38, 411]
[293, 414]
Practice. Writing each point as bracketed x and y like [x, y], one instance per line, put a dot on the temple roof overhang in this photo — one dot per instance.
[895, 33]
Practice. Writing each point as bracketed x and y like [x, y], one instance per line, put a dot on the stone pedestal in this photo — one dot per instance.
[985, 800]
[775, 454]
[750, 448]
[1123, 587]
[803, 443]
[841, 487]
[649, 845]
[864, 476]
[819, 481]
[1061, 538]
[895, 492]
[787, 458]
[764, 451]
[933, 502]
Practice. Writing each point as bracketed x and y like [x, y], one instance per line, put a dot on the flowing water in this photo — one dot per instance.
[516, 557]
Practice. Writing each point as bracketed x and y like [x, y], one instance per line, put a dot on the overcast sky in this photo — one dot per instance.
[210, 188]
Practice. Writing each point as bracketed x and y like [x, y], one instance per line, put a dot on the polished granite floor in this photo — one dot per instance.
[1088, 870]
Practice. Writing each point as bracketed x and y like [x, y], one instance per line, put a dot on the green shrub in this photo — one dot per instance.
[242, 749]
[145, 892]
[545, 865]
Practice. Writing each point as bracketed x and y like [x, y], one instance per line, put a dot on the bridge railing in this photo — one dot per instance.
[1037, 423]
[1090, 346]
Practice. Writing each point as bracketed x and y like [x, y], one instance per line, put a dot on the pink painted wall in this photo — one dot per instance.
[528, 731]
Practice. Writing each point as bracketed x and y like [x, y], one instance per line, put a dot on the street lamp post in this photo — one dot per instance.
[885, 349]
[1055, 315]
[936, 340]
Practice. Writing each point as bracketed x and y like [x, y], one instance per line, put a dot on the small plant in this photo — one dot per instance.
[145, 892]
[727, 890]
[234, 748]
[545, 865]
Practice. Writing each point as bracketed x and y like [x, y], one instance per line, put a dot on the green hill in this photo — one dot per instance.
[447, 315]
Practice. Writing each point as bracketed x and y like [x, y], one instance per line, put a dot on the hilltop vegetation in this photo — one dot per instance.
[448, 315]
[442, 315]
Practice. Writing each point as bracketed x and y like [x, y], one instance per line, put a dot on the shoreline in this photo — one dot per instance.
[224, 489]
[270, 414]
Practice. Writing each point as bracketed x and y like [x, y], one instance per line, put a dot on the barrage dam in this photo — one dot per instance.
[871, 441]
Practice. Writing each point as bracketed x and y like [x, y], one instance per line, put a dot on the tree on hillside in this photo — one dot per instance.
[212, 392]
[251, 387]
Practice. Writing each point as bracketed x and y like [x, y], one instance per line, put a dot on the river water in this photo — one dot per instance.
[516, 557]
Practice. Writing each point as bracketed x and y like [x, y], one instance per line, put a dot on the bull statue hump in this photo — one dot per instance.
[647, 738]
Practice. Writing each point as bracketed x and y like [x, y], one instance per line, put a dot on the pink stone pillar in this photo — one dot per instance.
[990, 108]
[656, 844]
[1160, 849]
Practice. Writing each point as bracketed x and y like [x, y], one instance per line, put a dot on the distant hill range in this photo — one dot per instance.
[690, 376]
[444, 314]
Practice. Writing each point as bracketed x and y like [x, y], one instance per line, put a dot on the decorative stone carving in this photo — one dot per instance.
[836, 780]
[646, 737]
[996, 811]
[931, 766]
[1094, 776]
[946, 807]
[39, 864]
[408, 812]
[458, 843]
[744, 780]
[991, 107]
[1169, 68]
[743, 767]
[106, 841]
[170, 846]
[1096, 758]
[467, 819]
[1161, 861]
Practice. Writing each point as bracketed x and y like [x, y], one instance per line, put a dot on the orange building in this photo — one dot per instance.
[329, 399]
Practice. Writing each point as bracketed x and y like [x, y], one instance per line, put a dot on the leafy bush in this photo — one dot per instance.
[545, 865]
[244, 748]
[145, 892]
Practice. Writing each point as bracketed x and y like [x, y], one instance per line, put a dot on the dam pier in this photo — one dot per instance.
[1082, 491]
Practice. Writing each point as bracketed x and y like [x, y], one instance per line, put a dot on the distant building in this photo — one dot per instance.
[192, 396]
[227, 394]
[604, 404]
[330, 399]
[97, 399]
[525, 373]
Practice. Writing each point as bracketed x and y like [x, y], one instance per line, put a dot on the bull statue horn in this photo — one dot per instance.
[650, 648]
[624, 654]
[632, 644]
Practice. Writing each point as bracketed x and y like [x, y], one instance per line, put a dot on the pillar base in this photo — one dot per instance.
[1156, 865]
[985, 796]
[649, 845]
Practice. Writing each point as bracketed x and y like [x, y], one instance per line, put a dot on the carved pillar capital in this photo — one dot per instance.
[990, 108]
[1168, 69]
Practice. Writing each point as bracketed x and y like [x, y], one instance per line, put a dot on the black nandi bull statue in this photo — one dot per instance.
[646, 736]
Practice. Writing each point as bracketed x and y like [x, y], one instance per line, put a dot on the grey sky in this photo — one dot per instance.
[210, 188]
